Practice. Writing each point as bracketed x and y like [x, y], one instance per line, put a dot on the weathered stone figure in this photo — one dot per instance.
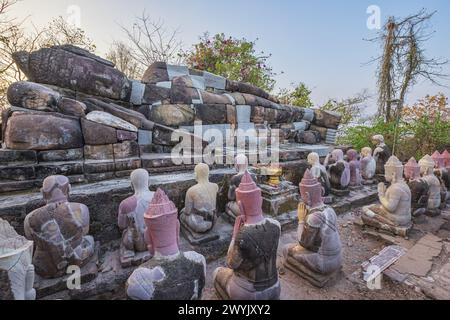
[131, 218]
[381, 154]
[317, 257]
[170, 274]
[241, 165]
[16, 268]
[200, 213]
[252, 272]
[355, 168]
[338, 170]
[394, 213]
[368, 165]
[434, 186]
[443, 175]
[59, 230]
[418, 187]
[320, 173]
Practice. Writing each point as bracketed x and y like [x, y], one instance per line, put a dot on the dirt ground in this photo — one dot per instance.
[357, 248]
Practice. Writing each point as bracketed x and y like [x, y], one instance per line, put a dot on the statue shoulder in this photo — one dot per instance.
[128, 205]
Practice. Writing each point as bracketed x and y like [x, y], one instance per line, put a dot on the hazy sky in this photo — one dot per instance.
[318, 42]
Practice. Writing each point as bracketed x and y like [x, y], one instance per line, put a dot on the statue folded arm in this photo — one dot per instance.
[311, 231]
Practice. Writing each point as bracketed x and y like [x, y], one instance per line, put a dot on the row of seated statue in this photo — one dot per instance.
[337, 174]
[151, 224]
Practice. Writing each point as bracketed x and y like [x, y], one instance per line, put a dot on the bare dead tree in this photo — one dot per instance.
[120, 55]
[403, 61]
[151, 41]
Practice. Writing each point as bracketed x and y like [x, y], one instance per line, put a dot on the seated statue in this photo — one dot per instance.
[241, 165]
[381, 154]
[170, 274]
[200, 214]
[131, 220]
[355, 168]
[446, 157]
[317, 257]
[443, 174]
[252, 270]
[59, 230]
[368, 165]
[418, 187]
[320, 173]
[394, 213]
[338, 171]
[16, 268]
[434, 186]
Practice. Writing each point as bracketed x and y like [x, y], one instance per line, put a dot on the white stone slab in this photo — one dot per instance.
[110, 120]
[164, 84]
[308, 115]
[214, 81]
[137, 92]
[198, 82]
[176, 71]
[243, 113]
[301, 126]
[145, 137]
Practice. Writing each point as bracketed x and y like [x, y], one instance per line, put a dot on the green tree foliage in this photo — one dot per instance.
[236, 59]
[299, 96]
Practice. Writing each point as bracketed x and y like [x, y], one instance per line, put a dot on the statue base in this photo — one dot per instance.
[316, 279]
[279, 200]
[45, 287]
[196, 238]
[340, 192]
[129, 258]
[394, 230]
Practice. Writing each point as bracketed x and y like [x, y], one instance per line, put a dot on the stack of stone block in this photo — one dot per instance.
[80, 117]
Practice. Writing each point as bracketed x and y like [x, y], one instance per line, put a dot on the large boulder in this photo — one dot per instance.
[33, 96]
[42, 131]
[110, 120]
[327, 119]
[173, 115]
[76, 69]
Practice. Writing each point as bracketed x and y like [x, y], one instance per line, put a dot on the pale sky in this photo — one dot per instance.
[316, 42]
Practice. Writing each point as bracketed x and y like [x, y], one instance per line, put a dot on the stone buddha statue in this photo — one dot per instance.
[252, 271]
[200, 214]
[443, 175]
[16, 268]
[418, 187]
[320, 173]
[355, 168]
[317, 256]
[394, 213]
[434, 186]
[368, 165]
[59, 230]
[170, 274]
[241, 165]
[381, 153]
[339, 171]
[446, 157]
[131, 219]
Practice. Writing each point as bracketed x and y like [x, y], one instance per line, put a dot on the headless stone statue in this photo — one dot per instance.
[339, 172]
[252, 272]
[418, 187]
[16, 268]
[320, 173]
[394, 213]
[59, 230]
[317, 257]
[443, 175]
[381, 154]
[355, 168]
[131, 220]
[434, 186]
[241, 165]
[200, 214]
[170, 274]
[368, 166]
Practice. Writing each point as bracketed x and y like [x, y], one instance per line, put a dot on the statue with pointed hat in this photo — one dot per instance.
[317, 256]
[443, 174]
[251, 272]
[133, 249]
[355, 168]
[170, 274]
[241, 166]
[446, 157]
[394, 213]
[418, 187]
[427, 166]
[59, 230]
